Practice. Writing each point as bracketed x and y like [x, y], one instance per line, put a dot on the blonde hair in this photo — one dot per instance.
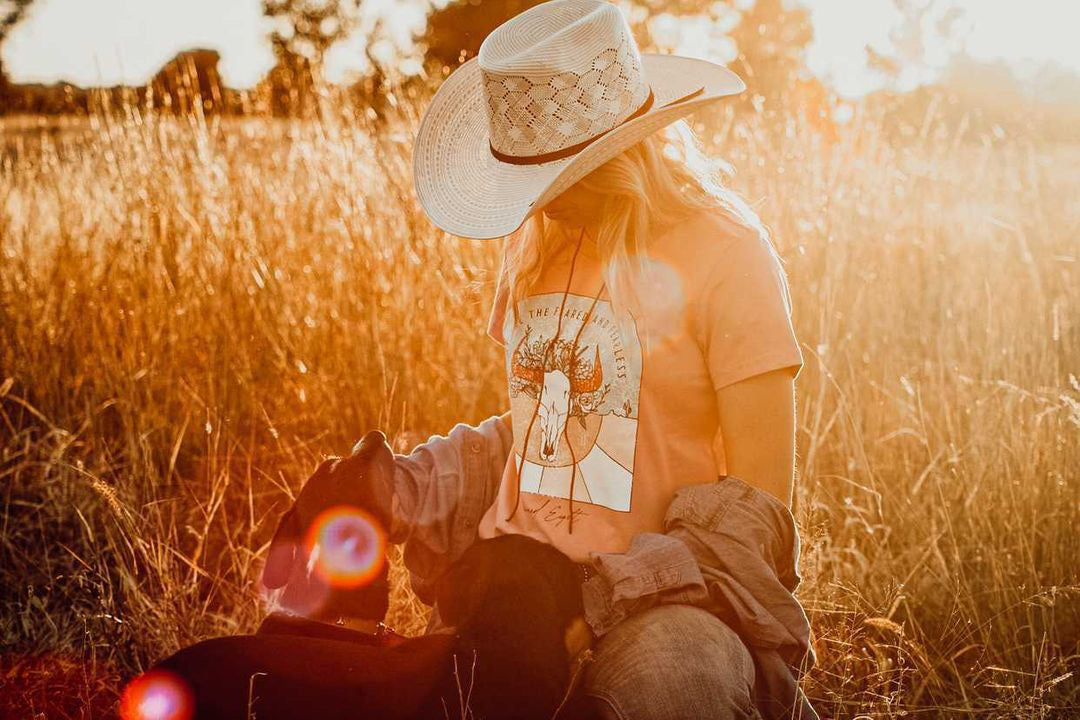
[652, 185]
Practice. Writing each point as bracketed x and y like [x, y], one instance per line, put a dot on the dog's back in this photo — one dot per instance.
[289, 677]
[512, 601]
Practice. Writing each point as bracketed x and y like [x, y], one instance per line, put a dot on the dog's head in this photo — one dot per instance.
[359, 486]
[515, 603]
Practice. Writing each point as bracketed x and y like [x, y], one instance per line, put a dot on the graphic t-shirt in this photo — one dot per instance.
[624, 409]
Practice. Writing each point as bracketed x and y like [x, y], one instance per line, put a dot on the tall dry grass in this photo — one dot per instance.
[193, 310]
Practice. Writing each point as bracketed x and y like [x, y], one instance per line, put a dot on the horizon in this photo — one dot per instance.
[131, 40]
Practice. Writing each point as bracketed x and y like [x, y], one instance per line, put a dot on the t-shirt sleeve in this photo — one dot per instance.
[743, 317]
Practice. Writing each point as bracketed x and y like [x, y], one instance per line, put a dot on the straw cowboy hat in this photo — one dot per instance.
[553, 93]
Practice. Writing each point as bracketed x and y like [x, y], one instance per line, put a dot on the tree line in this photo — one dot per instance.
[770, 40]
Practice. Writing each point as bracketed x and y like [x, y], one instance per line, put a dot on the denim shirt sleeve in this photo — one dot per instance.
[747, 547]
[656, 569]
[725, 544]
[441, 490]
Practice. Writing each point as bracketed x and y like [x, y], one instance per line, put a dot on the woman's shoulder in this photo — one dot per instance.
[711, 239]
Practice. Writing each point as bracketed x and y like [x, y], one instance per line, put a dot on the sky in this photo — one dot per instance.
[1028, 33]
[105, 42]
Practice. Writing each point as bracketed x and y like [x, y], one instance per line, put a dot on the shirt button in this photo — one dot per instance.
[474, 446]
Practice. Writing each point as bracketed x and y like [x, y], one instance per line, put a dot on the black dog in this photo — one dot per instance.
[295, 677]
[513, 601]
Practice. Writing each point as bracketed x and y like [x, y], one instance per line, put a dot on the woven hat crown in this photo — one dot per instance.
[559, 74]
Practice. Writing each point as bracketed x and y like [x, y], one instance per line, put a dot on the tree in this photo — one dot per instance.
[927, 36]
[11, 12]
[190, 82]
[454, 33]
[302, 32]
[771, 39]
[771, 35]
[307, 28]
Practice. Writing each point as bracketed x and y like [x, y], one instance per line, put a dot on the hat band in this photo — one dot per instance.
[578, 147]
[571, 149]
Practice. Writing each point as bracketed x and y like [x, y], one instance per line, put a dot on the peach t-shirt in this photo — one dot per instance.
[631, 411]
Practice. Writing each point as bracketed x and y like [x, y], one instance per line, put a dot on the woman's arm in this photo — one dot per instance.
[757, 423]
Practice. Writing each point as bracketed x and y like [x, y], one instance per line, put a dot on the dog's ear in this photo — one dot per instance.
[285, 546]
[283, 550]
[368, 445]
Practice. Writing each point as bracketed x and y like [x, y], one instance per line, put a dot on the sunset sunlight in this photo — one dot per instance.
[520, 360]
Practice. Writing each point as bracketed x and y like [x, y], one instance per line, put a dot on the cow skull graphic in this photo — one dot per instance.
[560, 379]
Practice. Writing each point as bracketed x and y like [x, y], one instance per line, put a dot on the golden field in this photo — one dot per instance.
[194, 310]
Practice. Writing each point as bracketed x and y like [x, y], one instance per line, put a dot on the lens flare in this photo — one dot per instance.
[157, 695]
[347, 546]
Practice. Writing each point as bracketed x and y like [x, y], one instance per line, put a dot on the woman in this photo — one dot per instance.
[643, 310]
[649, 352]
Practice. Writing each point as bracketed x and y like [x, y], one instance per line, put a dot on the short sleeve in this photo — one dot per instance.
[743, 316]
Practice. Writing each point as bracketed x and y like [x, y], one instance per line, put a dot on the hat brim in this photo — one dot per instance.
[467, 192]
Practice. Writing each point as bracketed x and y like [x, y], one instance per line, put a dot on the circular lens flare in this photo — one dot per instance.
[157, 695]
[347, 546]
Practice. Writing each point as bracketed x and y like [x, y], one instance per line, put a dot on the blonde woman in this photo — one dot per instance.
[650, 362]
[646, 322]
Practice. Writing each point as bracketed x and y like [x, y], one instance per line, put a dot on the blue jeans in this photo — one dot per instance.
[671, 662]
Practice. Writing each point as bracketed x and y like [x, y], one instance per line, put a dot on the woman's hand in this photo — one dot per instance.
[757, 423]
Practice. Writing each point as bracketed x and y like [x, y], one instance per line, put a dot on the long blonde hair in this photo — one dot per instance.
[652, 185]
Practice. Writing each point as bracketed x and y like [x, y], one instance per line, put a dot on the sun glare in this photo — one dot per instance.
[347, 545]
[157, 695]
